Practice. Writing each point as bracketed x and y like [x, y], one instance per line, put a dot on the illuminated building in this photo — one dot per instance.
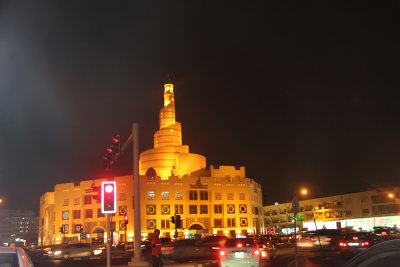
[214, 200]
[18, 226]
[361, 210]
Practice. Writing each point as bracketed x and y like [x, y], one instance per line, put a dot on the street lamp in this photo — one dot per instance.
[295, 207]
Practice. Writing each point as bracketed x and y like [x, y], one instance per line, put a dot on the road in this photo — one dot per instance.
[285, 258]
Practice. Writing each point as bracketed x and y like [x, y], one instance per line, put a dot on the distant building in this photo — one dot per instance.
[359, 211]
[218, 200]
[18, 226]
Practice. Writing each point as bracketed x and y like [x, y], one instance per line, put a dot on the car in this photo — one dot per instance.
[191, 249]
[321, 239]
[354, 242]
[240, 252]
[14, 256]
[385, 254]
[75, 250]
[267, 249]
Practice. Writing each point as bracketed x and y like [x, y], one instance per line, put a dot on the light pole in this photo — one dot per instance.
[295, 206]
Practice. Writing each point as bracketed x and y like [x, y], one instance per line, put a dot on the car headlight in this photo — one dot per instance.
[50, 252]
[58, 252]
[97, 251]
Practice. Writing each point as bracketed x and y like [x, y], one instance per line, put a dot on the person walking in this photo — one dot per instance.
[156, 249]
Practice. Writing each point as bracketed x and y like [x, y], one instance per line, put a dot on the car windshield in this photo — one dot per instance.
[246, 242]
[185, 242]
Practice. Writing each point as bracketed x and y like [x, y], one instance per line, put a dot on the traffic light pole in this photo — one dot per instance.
[108, 240]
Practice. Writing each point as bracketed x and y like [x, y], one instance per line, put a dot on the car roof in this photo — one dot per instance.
[8, 250]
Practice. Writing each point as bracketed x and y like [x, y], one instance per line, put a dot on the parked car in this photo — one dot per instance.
[321, 239]
[75, 250]
[191, 249]
[353, 242]
[240, 252]
[267, 249]
[14, 257]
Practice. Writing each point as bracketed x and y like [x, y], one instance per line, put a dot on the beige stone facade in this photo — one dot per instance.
[214, 200]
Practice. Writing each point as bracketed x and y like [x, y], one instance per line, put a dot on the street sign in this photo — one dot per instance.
[83, 235]
[270, 231]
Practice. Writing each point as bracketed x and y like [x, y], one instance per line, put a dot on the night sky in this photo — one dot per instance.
[302, 94]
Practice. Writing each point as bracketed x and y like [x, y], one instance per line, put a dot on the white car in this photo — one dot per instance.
[14, 257]
[240, 252]
[75, 250]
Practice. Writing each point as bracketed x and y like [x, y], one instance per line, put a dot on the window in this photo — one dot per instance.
[243, 208]
[192, 209]
[230, 208]
[203, 209]
[348, 212]
[164, 195]
[164, 224]
[365, 211]
[65, 215]
[151, 195]
[87, 199]
[89, 213]
[178, 209]
[218, 223]
[77, 214]
[231, 222]
[218, 208]
[192, 195]
[66, 202]
[151, 209]
[217, 195]
[122, 196]
[242, 196]
[165, 209]
[99, 214]
[66, 228]
[178, 195]
[203, 195]
[151, 224]
[76, 201]
[230, 196]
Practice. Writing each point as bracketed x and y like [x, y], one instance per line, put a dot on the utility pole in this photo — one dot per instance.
[136, 260]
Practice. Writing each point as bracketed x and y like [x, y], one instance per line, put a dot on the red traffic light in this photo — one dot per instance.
[109, 197]
[115, 139]
[126, 219]
[109, 150]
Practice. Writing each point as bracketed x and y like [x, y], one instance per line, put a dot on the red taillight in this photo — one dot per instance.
[365, 244]
[355, 237]
[256, 252]
[239, 245]
[342, 244]
[222, 252]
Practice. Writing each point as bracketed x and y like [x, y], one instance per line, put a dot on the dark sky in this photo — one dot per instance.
[302, 94]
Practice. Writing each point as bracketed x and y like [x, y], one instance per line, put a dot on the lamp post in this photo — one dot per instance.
[295, 206]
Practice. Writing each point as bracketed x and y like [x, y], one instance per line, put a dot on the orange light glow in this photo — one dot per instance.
[304, 191]
[391, 195]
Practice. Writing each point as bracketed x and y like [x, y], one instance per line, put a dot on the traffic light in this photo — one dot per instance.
[126, 219]
[116, 144]
[178, 221]
[109, 197]
[173, 219]
[81, 228]
[61, 229]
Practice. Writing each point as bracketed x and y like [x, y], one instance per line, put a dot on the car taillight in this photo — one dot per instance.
[365, 244]
[256, 252]
[355, 237]
[222, 252]
[342, 244]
